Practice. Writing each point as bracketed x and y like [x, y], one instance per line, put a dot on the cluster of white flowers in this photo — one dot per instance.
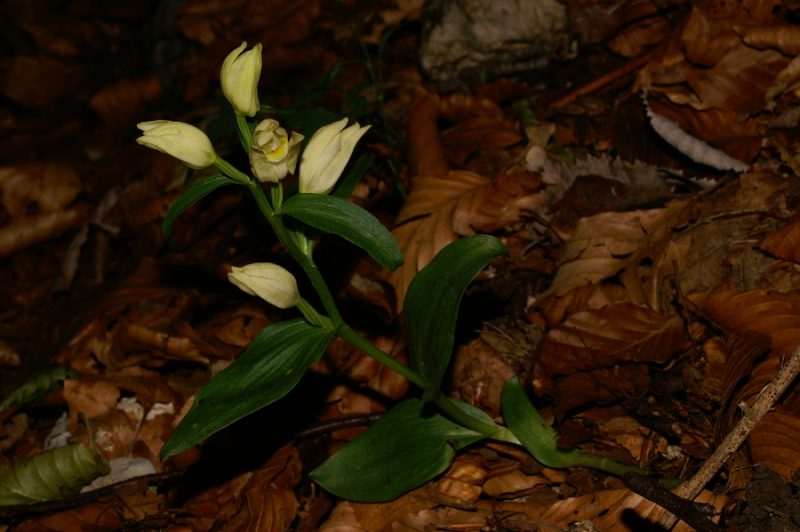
[273, 155]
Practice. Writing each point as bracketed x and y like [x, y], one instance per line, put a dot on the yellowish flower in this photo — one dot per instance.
[182, 141]
[327, 154]
[270, 282]
[239, 78]
[273, 153]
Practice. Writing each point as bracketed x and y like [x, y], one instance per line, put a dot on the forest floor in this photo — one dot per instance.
[645, 183]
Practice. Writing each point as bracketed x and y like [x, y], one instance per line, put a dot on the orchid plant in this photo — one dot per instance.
[417, 439]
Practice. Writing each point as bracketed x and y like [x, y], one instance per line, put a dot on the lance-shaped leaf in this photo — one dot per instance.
[38, 386]
[351, 222]
[432, 302]
[405, 449]
[49, 475]
[529, 426]
[267, 370]
[197, 191]
[541, 439]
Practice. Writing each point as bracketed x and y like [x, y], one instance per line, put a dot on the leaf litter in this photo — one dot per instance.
[644, 313]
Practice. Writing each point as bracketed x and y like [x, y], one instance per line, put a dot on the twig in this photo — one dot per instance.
[603, 80]
[337, 424]
[763, 403]
[689, 512]
[17, 511]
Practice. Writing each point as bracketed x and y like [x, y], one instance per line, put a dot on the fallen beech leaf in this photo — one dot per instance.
[261, 500]
[782, 37]
[775, 443]
[598, 247]
[784, 243]
[593, 339]
[511, 485]
[122, 103]
[40, 80]
[89, 398]
[478, 133]
[51, 187]
[25, 231]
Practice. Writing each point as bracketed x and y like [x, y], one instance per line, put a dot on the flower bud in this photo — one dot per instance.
[182, 141]
[273, 153]
[327, 154]
[239, 78]
[268, 281]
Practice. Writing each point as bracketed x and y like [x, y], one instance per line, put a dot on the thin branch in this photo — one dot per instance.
[766, 399]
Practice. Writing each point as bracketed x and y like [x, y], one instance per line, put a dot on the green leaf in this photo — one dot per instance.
[38, 386]
[351, 222]
[49, 475]
[348, 183]
[197, 191]
[403, 450]
[266, 371]
[541, 440]
[319, 90]
[432, 302]
[529, 426]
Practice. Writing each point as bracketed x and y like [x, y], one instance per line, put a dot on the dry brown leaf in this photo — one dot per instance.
[89, 398]
[775, 443]
[49, 186]
[262, 500]
[39, 80]
[133, 502]
[511, 485]
[599, 245]
[636, 39]
[593, 339]
[426, 149]
[121, 103]
[604, 385]
[478, 133]
[25, 231]
[782, 37]
[784, 243]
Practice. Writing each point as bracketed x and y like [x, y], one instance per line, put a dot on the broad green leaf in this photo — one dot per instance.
[348, 183]
[403, 450]
[38, 386]
[266, 371]
[529, 426]
[49, 475]
[197, 191]
[351, 222]
[432, 302]
[541, 439]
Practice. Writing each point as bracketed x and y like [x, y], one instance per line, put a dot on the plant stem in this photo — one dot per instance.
[231, 171]
[297, 254]
[491, 430]
[347, 333]
[245, 135]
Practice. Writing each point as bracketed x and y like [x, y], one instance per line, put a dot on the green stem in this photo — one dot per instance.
[245, 135]
[297, 254]
[358, 341]
[231, 171]
[491, 430]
